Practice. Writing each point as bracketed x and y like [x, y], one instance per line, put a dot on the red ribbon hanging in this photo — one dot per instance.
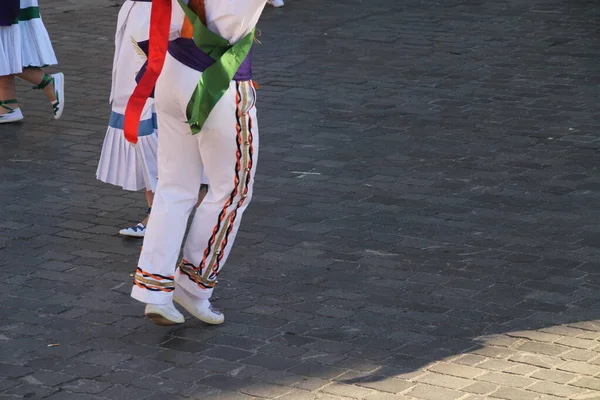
[160, 25]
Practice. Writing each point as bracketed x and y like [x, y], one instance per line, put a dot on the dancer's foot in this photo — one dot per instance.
[277, 3]
[58, 103]
[138, 231]
[54, 88]
[164, 314]
[9, 111]
[202, 310]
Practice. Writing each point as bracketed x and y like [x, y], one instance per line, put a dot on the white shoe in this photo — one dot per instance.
[204, 312]
[164, 314]
[59, 87]
[276, 3]
[11, 116]
[134, 231]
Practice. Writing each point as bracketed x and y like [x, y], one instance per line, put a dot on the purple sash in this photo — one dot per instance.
[186, 52]
[9, 12]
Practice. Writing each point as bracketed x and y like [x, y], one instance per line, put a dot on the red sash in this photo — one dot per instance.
[160, 26]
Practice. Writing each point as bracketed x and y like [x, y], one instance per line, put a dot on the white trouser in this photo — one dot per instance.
[226, 152]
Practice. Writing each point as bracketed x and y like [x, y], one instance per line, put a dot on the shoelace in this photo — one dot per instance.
[46, 80]
[139, 227]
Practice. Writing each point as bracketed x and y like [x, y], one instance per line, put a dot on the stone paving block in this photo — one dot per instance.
[185, 374]
[580, 368]
[224, 396]
[340, 389]
[271, 362]
[311, 383]
[521, 369]
[120, 392]
[588, 383]
[122, 377]
[227, 353]
[48, 378]
[422, 391]
[265, 390]
[580, 355]
[316, 370]
[510, 380]
[86, 386]
[82, 370]
[281, 350]
[200, 391]
[247, 371]
[65, 395]
[6, 384]
[543, 348]
[450, 382]
[216, 365]
[514, 394]
[279, 377]
[224, 382]
[480, 388]
[29, 390]
[538, 360]
[494, 352]
[144, 366]
[316, 356]
[554, 376]
[536, 336]
[578, 343]
[104, 358]
[330, 346]
[555, 389]
[460, 371]
[386, 396]
[166, 386]
[470, 359]
[233, 341]
[358, 364]
[495, 365]
[297, 394]
[14, 371]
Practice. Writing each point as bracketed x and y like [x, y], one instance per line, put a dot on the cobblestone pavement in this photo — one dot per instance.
[425, 224]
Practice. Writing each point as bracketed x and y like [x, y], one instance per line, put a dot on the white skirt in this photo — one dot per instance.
[10, 50]
[25, 44]
[132, 167]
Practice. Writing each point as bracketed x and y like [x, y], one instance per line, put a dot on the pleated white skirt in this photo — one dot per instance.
[25, 44]
[132, 167]
[10, 50]
[36, 48]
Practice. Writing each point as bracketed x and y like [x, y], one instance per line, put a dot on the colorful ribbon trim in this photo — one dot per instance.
[214, 81]
[29, 13]
[146, 127]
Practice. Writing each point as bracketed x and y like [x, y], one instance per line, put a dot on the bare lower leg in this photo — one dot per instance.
[8, 91]
[149, 200]
[36, 76]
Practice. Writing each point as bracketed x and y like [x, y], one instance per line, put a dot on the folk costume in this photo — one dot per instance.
[122, 164]
[205, 103]
[24, 43]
